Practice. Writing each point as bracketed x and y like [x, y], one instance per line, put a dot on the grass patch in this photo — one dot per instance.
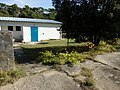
[10, 76]
[89, 81]
[86, 72]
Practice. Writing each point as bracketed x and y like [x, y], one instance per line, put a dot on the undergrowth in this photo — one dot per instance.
[74, 54]
[48, 57]
[89, 81]
[9, 76]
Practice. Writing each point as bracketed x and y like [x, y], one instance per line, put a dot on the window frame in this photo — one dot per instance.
[10, 28]
[18, 28]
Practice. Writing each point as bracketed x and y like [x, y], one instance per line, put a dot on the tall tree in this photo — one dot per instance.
[91, 19]
[63, 8]
[3, 10]
[52, 13]
[27, 12]
[14, 10]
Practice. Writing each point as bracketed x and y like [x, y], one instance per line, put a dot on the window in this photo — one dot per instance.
[10, 28]
[18, 28]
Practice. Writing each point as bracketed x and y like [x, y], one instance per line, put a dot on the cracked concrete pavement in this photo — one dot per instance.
[106, 74]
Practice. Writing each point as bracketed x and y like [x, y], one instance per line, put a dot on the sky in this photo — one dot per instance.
[32, 3]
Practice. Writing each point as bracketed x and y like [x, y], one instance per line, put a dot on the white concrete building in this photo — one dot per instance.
[31, 30]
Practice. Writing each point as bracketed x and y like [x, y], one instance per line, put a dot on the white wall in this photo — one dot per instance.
[0, 28]
[26, 34]
[45, 31]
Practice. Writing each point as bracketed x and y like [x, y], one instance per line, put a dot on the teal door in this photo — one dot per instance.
[34, 34]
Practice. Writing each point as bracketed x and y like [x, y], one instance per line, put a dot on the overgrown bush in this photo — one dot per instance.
[63, 58]
[104, 47]
[74, 57]
[71, 58]
[10, 76]
[116, 41]
[48, 57]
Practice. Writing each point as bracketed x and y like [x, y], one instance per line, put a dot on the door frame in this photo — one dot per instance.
[34, 35]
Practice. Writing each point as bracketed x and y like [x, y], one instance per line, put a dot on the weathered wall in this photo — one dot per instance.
[16, 34]
[6, 50]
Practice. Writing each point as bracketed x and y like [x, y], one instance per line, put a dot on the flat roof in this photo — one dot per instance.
[32, 20]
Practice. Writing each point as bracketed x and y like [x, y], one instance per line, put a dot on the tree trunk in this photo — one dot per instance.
[67, 41]
[96, 40]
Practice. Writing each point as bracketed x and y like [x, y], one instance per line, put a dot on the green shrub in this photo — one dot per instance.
[47, 57]
[10, 76]
[102, 43]
[116, 41]
[63, 58]
[74, 57]
[106, 48]
[67, 58]
[71, 58]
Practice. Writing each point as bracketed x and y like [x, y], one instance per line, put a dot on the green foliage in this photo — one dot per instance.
[48, 57]
[63, 55]
[27, 12]
[71, 58]
[91, 19]
[116, 41]
[14, 10]
[63, 58]
[10, 76]
[74, 57]
[103, 46]
[102, 43]
[107, 48]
